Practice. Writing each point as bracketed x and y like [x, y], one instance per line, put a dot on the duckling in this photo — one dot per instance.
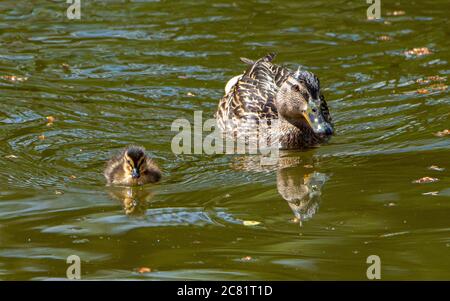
[132, 167]
[265, 93]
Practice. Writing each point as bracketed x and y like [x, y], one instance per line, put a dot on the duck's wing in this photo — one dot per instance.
[253, 95]
[265, 72]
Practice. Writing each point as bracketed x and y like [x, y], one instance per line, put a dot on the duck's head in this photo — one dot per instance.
[300, 102]
[134, 161]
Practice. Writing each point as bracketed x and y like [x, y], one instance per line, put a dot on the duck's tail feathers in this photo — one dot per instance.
[247, 61]
[268, 58]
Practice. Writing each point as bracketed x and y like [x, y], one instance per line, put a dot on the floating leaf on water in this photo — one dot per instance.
[384, 38]
[431, 193]
[144, 270]
[50, 119]
[443, 133]
[433, 78]
[251, 223]
[396, 13]
[438, 87]
[426, 180]
[436, 168]
[65, 66]
[437, 78]
[13, 78]
[418, 51]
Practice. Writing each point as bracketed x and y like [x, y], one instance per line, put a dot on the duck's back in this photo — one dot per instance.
[252, 97]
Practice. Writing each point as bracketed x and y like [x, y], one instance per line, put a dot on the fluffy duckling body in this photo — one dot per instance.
[132, 167]
[266, 93]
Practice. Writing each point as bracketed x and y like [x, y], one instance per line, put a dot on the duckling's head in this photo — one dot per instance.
[132, 167]
[134, 161]
[299, 101]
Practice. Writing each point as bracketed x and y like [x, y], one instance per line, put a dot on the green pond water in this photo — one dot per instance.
[127, 69]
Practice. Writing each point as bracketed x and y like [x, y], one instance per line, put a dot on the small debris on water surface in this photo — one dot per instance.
[418, 51]
[396, 13]
[425, 180]
[431, 193]
[423, 91]
[251, 223]
[436, 168]
[143, 270]
[14, 78]
[433, 78]
[442, 133]
[384, 38]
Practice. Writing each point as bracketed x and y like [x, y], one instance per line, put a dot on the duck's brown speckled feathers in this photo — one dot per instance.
[252, 99]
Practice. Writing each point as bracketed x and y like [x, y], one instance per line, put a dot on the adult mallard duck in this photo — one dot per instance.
[132, 167]
[290, 103]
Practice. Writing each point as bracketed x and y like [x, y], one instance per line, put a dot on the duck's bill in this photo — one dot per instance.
[135, 173]
[316, 122]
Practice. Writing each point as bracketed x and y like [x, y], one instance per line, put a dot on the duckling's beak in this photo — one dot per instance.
[315, 120]
[135, 173]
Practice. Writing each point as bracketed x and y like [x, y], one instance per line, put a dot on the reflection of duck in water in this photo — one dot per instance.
[132, 167]
[135, 200]
[301, 189]
[266, 93]
[297, 184]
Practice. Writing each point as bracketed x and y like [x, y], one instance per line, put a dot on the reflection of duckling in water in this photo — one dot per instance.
[132, 167]
[135, 200]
